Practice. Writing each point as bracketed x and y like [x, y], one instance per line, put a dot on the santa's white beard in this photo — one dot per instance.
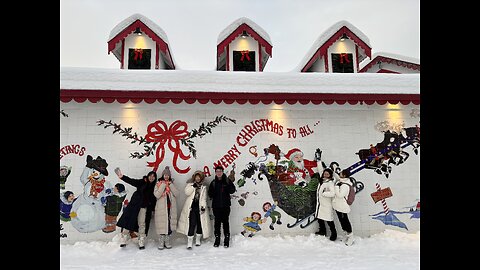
[299, 164]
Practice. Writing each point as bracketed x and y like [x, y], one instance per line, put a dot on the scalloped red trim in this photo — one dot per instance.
[390, 61]
[109, 96]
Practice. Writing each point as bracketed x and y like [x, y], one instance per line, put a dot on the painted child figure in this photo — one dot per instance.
[269, 210]
[339, 203]
[66, 201]
[64, 173]
[113, 206]
[252, 224]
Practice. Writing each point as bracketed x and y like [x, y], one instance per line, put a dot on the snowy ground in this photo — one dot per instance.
[392, 250]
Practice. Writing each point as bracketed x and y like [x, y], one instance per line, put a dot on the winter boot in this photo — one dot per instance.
[349, 239]
[123, 239]
[167, 242]
[189, 242]
[141, 242]
[217, 240]
[226, 241]
[198, 239]
[322, 230]
[333, 235]
[161, 242]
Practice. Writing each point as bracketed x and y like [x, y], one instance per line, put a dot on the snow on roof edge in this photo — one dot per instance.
[404, 58]
[137, 16]
[239, 82]
[235, 24]
[326, 35]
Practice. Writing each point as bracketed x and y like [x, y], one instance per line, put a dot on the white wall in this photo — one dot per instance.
[240, 44]
[134, 41]
[339, 130]
[319, 65]
[346, 46]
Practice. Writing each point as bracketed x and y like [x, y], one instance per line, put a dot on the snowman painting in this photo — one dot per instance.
[88, 211]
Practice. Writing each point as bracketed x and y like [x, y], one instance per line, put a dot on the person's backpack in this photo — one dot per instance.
[351, 195]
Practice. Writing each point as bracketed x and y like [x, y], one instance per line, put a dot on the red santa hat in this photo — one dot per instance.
[292, 153]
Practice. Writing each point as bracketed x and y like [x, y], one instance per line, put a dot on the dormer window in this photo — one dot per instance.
[243, 60]
[342, 63]
[139, 58]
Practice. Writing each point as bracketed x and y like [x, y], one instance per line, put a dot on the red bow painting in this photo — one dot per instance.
[159, 132]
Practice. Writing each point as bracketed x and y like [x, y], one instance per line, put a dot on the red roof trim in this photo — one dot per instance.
[390, 61]
[228, 97]
[128, 30]
[221, 46]
[323, 49]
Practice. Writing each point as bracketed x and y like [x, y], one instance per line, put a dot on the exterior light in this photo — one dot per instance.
[344, 36]
[244, 34]
[137, 31]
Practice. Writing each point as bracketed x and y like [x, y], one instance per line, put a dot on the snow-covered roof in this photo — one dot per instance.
[234, 25]
[137, 16]
[163, 86]
[326, 35]
[392, 56]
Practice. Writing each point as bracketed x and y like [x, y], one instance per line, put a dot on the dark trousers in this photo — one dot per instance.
[221, 216]
[194, 222]
[344, 222]
[323, 229]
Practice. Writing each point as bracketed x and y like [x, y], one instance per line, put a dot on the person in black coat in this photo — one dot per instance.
[219, 191]
[136, 216]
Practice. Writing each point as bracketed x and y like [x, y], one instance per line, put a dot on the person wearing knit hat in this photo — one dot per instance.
[113, 206]
[165, 208]
[137, 214]
[195, 216]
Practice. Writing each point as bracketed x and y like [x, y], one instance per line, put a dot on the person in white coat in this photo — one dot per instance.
[165, 208]
[340, 205]
[324, 209]
[195, 217]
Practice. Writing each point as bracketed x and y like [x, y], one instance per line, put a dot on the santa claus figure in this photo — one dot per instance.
[302, 170]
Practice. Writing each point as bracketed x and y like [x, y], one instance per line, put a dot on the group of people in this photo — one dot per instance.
[159, 195]
[331, 193]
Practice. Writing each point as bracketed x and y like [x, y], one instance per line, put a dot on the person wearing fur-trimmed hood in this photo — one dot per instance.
[195, 215]
[136, 216]
[166, 208]
[66, 201]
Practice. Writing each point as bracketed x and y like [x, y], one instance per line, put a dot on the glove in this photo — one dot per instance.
[103, 200]
[108, 191]
[118, 172]
[202, 209]
[318, 154]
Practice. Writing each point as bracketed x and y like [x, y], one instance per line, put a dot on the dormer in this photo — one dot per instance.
[243, 46]
[339, 49]
[138, 43]
[383, 62]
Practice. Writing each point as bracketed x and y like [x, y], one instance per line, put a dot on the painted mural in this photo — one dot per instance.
[291, 173]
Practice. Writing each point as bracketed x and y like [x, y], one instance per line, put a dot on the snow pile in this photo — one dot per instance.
[393, 250]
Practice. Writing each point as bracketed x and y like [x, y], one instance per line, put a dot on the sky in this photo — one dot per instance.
[193, 26]
[391, 249]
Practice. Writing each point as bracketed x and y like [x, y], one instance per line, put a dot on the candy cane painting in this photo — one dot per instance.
[389, 217]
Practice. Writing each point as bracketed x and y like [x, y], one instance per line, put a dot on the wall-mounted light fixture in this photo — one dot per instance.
[379, 64]
[244, 34]
[344, 36]
[137, 31]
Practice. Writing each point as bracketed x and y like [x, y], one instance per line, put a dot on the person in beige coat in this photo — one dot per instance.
[195, 217]
[324, 208]
[340, 205]
[165, 208]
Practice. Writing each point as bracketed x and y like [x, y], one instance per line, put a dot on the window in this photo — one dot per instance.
[342, 63]
[243, 60]
[139, 58]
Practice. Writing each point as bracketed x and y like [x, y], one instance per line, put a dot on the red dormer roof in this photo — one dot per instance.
[237, 32]
[329, 37]
[129, 25]
[389, 58]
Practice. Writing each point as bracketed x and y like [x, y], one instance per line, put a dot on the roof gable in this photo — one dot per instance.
[236, 28]
[330, 36]
[400, 60]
